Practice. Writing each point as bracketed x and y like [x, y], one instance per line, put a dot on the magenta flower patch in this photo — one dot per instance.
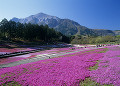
[18, 58]
[68, 70]
[109, 68]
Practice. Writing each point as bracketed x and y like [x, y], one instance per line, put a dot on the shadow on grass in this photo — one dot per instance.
[89, 82]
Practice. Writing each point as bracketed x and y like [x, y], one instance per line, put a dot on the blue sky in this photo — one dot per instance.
[94, 14]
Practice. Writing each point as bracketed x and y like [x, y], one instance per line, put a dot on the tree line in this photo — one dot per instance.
[81, 39]
[30, 32]
[33, 32]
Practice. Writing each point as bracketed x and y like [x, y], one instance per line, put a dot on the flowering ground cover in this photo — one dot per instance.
[57, 50]
[15, 58]
[7, 50]
[108, 71]
[27, 56]
[68, 70]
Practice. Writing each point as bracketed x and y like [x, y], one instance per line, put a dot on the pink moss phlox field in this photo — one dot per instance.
[16, 58]
[21, 57]
[27, 56]
[7, 50]
[109, 68]
[67, 70]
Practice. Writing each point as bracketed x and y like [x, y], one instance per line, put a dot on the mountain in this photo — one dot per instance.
[36, 19]
[103, 32]
[65, 26]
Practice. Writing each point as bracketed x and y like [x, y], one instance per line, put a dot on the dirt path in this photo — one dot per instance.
[40, 57]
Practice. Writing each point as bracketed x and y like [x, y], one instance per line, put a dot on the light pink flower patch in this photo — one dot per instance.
[14, 49]
[9, 60]
[23, 56]
[4, 52]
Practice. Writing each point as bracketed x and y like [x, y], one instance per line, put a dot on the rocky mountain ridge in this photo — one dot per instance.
[65, 26]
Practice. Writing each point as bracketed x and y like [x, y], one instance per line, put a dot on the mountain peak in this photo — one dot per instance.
[41, 15]
[15, 19]
[65, 26]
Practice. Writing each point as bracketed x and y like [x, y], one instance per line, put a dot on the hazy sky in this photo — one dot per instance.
[95, 14]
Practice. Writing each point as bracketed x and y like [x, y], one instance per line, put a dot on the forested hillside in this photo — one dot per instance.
[30, 32]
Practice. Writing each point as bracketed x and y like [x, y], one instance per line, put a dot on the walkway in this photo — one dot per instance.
[40, 57]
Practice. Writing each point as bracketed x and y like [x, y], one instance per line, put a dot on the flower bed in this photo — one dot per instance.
[21, 57]
[7, 50]
[65, 71]
[108, 71]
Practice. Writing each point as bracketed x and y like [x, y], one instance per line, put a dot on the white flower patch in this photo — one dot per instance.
[24, 56]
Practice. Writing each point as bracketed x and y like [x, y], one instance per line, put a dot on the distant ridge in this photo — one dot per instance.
[117, 32]
[65, 26]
